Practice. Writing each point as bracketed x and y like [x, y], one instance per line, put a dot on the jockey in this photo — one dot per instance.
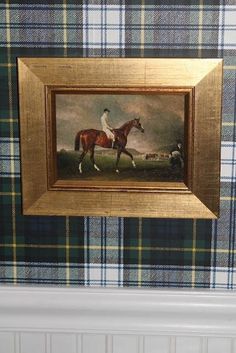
[106, 127]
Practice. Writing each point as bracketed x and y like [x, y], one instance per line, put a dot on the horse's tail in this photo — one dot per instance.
[77, 141]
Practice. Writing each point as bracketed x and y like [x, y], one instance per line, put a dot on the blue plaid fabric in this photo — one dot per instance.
[100, 251]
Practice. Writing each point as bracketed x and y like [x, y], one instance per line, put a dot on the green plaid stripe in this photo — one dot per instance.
[175, 242]
[162, 244]
[99, 251]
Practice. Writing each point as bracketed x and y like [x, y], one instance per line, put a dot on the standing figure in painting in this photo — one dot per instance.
[176, 155]
[106, 127]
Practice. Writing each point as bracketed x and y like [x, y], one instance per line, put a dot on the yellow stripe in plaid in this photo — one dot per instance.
[142, 31]
[228, 198]
[9, 120]
[67, 251]
[229, 123]
[230, 67]
[200, 22]
[65, 26]
[7, 65]
[8, 33]
[140, 249]
[194, 253]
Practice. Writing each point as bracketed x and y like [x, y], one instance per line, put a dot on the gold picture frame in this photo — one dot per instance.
[199, 80]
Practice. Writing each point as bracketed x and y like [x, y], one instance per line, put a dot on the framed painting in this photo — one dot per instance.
[120, 137]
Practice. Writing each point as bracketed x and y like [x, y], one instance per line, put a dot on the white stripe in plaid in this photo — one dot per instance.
[42, 273]
[103, 252]
[103, 27]
[167, 276]
[228, 161]
[227, 28]
[223, 278]
[9, 154]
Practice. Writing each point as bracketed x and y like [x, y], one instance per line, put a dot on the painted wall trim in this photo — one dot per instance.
[110, 311]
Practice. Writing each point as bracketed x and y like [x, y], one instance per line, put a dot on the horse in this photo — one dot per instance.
[90, 138]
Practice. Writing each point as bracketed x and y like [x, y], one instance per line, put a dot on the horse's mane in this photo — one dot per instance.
[124, 125]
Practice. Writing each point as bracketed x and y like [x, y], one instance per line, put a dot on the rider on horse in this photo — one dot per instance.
[106, 127]
[90, 138]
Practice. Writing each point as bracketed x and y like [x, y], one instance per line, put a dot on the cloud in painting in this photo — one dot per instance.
[161, 115]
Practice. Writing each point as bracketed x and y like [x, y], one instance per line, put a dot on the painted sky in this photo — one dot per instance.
[162, 117]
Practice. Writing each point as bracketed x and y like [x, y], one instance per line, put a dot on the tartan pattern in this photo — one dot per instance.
[100, 251]
[9, 153]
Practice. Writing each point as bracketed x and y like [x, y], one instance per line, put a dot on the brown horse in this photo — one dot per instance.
[90, 138]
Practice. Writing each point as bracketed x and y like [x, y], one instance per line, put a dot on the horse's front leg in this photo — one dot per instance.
[124, 150]
[117, 159]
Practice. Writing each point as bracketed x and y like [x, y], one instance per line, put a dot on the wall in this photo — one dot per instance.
[58, 320]
[114, 251]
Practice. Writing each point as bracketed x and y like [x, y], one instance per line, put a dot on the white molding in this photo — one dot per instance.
[111, 311]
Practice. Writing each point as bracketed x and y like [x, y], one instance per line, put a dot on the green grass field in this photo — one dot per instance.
[67, 162]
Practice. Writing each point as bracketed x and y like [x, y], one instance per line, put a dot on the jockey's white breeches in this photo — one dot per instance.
[109, 134]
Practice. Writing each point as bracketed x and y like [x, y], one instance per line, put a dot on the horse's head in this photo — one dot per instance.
[138, 125]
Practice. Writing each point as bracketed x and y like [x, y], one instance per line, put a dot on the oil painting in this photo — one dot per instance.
[120, 137]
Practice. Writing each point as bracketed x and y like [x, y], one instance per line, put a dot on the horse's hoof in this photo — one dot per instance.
[117, 171]
[96, 167]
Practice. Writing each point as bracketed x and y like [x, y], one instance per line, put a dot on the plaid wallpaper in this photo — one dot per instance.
[99, 251]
